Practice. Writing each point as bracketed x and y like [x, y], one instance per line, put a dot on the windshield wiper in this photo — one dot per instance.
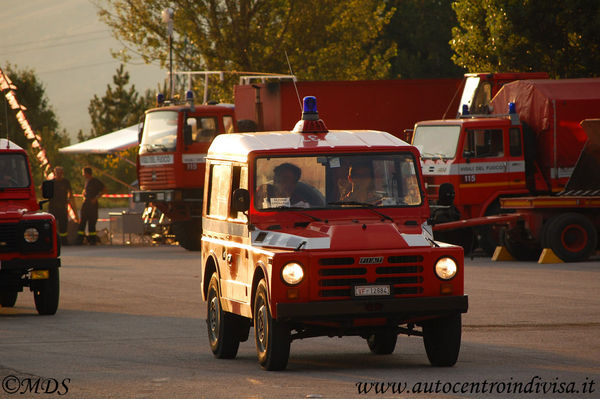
[159, 146]
[370, 207]
[296, 209]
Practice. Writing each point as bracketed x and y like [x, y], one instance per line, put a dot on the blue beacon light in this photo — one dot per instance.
[512, 108]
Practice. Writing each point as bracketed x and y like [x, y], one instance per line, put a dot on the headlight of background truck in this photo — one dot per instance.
[31, 235]
[446, 268]
[292, 273]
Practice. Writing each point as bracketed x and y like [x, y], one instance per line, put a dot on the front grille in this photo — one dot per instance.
[8, 237]
[336, 279]
[157, 178]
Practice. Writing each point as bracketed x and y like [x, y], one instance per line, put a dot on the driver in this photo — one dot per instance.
[287, 190]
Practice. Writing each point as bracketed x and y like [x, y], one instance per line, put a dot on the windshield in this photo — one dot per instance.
[13, 171]
[326, 181]
[160, 132]
[436, 141]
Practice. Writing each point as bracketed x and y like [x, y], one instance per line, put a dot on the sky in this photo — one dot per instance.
[69, 49]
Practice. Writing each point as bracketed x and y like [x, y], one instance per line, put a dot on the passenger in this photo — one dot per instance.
[362, 179]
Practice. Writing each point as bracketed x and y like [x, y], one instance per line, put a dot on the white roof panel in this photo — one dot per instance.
[106, 144]
[237, 146]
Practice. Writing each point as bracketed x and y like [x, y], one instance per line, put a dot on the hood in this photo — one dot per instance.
[338, 236]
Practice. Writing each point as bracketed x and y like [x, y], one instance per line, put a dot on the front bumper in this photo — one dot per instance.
[154, 196]
[401, 309]
[27, 264]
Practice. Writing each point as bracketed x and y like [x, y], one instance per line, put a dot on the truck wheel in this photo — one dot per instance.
[441, 338]
[520, 244]
[272, 337]
[8, 298]
[46, 294]
[383, 342]
[188, 234]
[222, 331]
[572, 237]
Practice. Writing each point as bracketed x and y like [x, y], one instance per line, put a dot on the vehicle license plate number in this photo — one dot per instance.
[372, 290]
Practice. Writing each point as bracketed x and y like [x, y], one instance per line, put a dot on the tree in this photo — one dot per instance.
[325, 39]
[31, 94]
[422, 30]
[120, 107]
[560, 38]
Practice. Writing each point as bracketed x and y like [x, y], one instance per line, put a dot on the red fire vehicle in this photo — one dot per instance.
[567, 223]
[312, 233]
[173, 146]
[29, 248]
[532, 149]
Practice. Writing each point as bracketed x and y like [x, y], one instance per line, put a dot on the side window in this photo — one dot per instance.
[515, 146]
[220, 187]
[240, 180]
[205, 129]
[228, 124]
[483, 143]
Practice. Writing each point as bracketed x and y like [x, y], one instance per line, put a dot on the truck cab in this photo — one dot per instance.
[173, 145]
[313, 232]
[29, 248]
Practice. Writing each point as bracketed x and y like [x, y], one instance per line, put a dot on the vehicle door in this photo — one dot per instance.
[484, 173]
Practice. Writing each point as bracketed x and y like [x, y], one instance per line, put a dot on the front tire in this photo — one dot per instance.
[46, 294]
[441, 338]
[223, 336]
[272, 337]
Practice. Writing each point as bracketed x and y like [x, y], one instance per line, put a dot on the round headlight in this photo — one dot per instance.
[446, 268]
[31, 235]
[292, 273]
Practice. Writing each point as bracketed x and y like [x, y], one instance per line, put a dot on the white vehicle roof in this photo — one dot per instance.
[237, 146]
[8, 145]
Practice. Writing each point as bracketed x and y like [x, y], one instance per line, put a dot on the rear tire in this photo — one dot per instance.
[571, 236]
[272, 337]
[383, 342]
[8, 298]
[46, 294]
[520, 244]
[441, 338]
[223, 334]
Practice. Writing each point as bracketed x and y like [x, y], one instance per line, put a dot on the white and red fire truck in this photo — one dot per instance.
[301, 254]
[530, 149]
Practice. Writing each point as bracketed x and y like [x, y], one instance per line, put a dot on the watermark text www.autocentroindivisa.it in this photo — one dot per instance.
[535, 385]
[12, 384]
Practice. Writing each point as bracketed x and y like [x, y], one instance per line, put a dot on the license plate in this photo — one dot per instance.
[372, 290]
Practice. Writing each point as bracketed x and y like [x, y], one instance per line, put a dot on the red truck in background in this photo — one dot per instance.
[173, 144]
[29, 246]
[530, 149]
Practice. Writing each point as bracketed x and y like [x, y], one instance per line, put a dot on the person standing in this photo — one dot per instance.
[59, 203]
[92, 191]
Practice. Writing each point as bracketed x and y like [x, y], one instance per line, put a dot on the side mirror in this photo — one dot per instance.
[240, 200]
[187, 135]
[48, 189]
[140, 131]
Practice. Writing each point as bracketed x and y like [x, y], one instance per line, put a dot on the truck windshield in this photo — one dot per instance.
[160, 132]
[13, 171]
[436, 141]
[336, 181]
